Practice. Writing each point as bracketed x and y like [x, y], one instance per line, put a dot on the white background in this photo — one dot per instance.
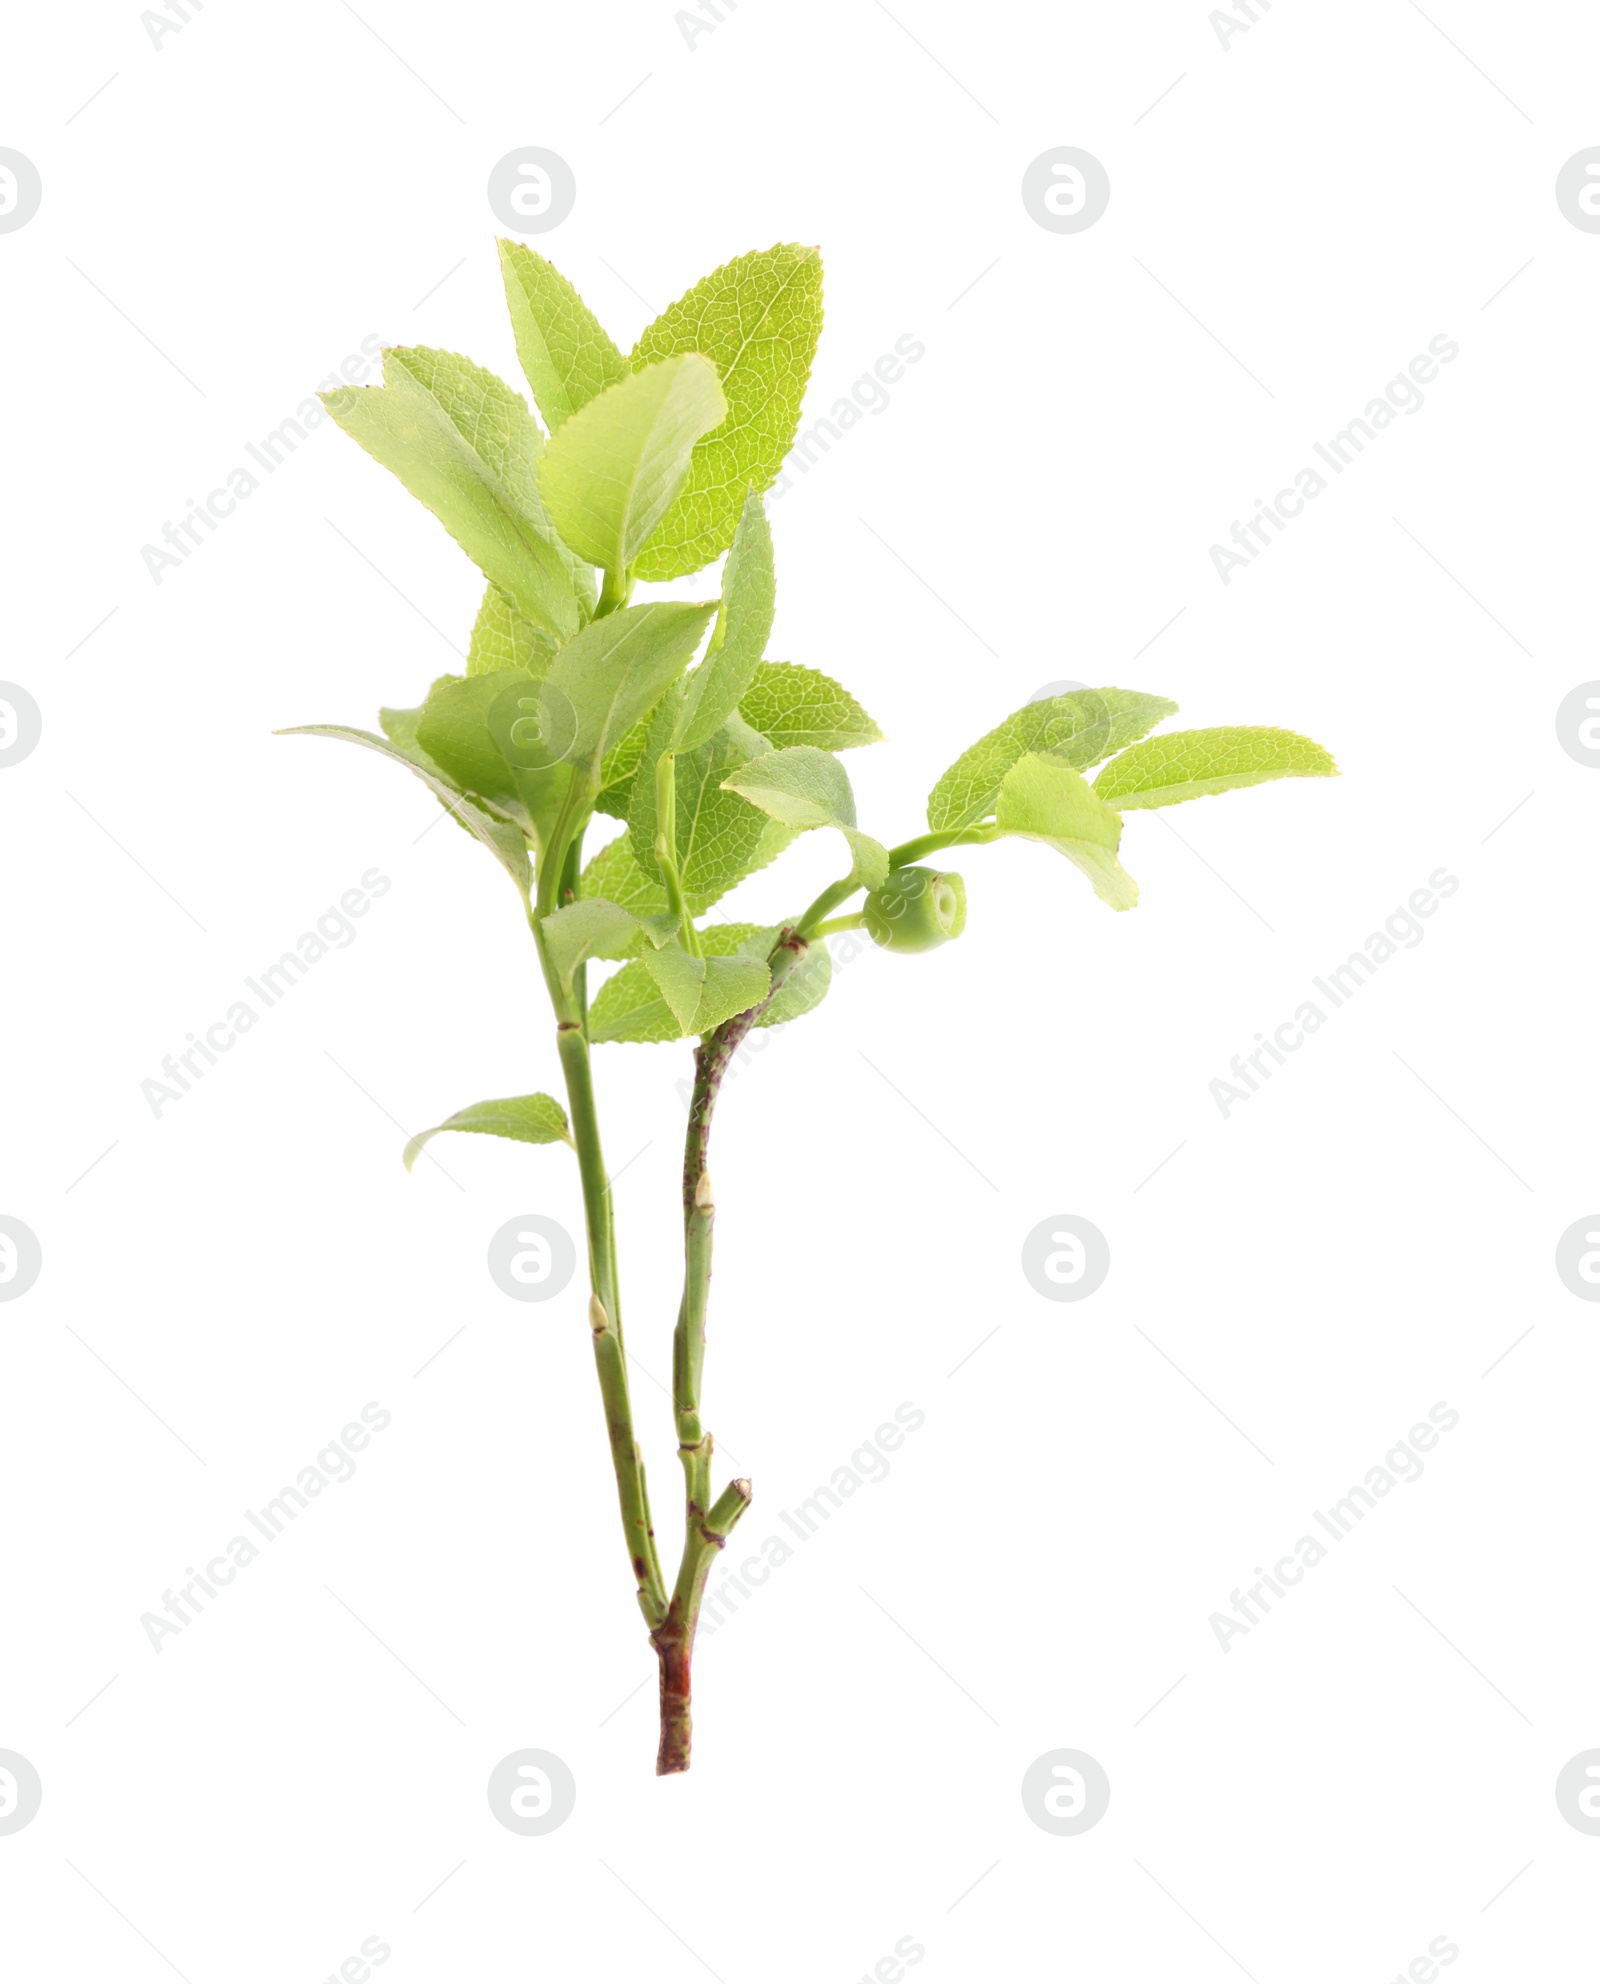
[1298, 1283]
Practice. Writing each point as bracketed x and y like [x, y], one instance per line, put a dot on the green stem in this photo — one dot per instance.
[605, 1317]
[913, 850]
[835, 924]
[615, 589]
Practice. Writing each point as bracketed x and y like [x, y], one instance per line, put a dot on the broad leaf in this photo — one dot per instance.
[566, 355]
[525, 1119]
[610, 472]
[757, 318]
[1044, 799]
[465, 445]
[793, 705]
[504, 840]
[1080, 729]
[1189, 764]
[501, 638]
[630, 1008]
[614, 671]
[749, 592]
[803, 787]
[466, 727]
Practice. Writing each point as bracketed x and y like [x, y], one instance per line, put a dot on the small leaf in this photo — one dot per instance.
[733, 985]
[871, 858]
[757, 319]
[1189, 764]
[610, 473]
[525, 1119]
[629, 1007]
[501, 638]
[596, 929]
[801, 786]
[793, 705]
[1044, 799]
[465, 445]
[749, 592]
[680, 979]
[1080, 729]
[504, 840]
[615, 670]
[566, 355]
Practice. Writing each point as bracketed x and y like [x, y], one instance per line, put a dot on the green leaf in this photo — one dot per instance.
[466, 728]
[1080, 729]
[680, 979]
[757, 319]
[616, 774]
[501, 638]
[588, 929]
[566, 355]
[465, 445]
[749, 594]
[733, 985]
[793, 705]
[610, 473]
[803, 787]
[614, 671]
[615, 873]
[504, 840]
[630, 1008]
[525, 1119]
[1189, 764]
[1042, 798]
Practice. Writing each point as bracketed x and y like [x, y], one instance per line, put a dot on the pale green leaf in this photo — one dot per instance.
[1045, 799]
[615, 873]
[801, 786]
[616, 774]
[594, 927]
[749, 593]
[465, 445]
[680, 979]
[629, 1006]
[525, 1119]
[501, 638]
[1189, 764]
[619, 667]
[1080, 729]
[733, 985]
[757, 319]
[504, 839]
[871, 859]
[566, 355]
[793, 705]
[466, 727]
[610, 473]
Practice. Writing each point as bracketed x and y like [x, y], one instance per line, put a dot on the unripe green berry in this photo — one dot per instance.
[916, 910]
